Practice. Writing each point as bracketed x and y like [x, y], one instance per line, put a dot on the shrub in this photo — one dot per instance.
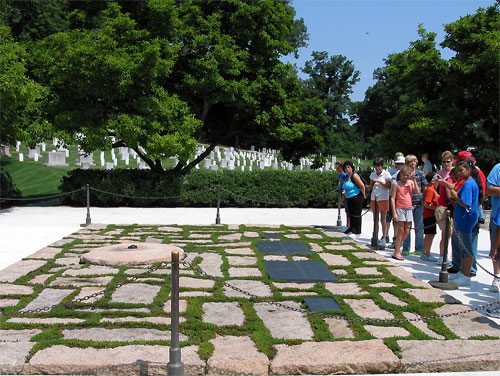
[265, 188]
[7, 188]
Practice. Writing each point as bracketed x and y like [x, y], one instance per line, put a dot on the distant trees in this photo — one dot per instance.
[331, 80]
[422, 102]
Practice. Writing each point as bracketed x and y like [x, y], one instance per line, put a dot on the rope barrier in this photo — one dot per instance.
[151, 197]
[41, 198]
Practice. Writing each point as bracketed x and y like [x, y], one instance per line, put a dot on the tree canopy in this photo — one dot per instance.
[161, 75]
[424, 103]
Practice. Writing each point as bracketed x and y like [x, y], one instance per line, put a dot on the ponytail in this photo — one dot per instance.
[469, 165]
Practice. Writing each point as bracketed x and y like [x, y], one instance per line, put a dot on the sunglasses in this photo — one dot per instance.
[446, 161]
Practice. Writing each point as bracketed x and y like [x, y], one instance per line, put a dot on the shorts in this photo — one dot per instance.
[440, 213]
[383, 206]
[404, 215]
[430, 226]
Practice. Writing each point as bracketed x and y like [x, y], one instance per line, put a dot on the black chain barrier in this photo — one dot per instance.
[152, 197]
[85, 298]
[41, 198]
[325, 315]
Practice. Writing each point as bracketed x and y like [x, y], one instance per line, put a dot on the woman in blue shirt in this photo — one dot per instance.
[355, 194]
[467, 201]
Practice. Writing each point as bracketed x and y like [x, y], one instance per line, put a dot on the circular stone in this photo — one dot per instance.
[131, 253]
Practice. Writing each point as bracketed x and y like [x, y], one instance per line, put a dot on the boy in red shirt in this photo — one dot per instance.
[430, 203]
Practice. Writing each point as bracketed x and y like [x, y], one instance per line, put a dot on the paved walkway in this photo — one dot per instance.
[252, 337]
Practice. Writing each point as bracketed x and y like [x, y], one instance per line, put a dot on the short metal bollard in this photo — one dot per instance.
[175, 367]
[217, 217]
[88, 220]
[339, 218]
[443, 282]
[374, 241]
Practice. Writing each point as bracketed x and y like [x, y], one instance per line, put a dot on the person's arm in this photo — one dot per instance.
[415, 186]
[493, 190]
[393, 201]
[357, 180]
[388, 182]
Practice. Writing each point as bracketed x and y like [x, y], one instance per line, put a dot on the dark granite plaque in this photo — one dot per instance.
[299, 271]
[286, 248]
[272, 235]
[322, 304]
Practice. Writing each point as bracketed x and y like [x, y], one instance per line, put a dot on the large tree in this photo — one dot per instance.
[331, 80]
[403, 110]
[170, 73]
[422, 102]
[21, 98]
[474, 82]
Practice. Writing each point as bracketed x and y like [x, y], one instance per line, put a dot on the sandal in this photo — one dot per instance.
[399, 258]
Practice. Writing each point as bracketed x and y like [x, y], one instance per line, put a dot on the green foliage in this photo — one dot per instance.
[7, 188]
[424, 103]
[21, 117]
[266, 188]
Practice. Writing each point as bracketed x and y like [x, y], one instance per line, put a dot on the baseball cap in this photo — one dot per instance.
[463, 155]
[400, 159]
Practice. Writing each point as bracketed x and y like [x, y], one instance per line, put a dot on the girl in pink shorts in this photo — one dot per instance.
[401, 200]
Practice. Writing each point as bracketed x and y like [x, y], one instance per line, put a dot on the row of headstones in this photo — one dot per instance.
[231, 158]
[57, 158]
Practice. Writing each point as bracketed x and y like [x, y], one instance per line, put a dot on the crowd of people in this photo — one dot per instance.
[420, 199]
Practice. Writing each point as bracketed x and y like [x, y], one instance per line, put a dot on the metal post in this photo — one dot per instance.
[339, 218]
[374, 241]
[88, 221]
[217, 217]
[443, 283]
[175, 367]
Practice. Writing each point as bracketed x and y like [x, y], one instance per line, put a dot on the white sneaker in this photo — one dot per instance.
[382, 243]
[439, 261]
[462, 280]
[495, 285]
[453, 276]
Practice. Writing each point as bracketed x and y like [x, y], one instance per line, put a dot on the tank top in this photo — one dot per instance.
[351, 188]
[404, 195]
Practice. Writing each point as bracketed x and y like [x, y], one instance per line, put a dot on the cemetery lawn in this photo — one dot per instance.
[32, 178]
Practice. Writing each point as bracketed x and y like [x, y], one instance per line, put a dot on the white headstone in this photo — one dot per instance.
[55, 140]
[262, 164]
[32, 152]
[109, 165]
[223, 163]
[214, 167]
[56, 159]
[252, 148]
[21, 157]
[67, 152]
[274, 166]
[35, 157]
[18, 145]
[207, 163]
[85, 165]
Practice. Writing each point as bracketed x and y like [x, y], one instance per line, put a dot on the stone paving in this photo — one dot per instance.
[125, 328]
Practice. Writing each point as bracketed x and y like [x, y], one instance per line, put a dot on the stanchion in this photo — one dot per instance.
[339, 218]
[443, 283]
[175, 367]
[374, 241]
[88, 220]
[217, 217]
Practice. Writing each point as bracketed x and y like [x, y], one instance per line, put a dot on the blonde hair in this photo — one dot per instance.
[405, 170]
[447, 155]
[410, 158]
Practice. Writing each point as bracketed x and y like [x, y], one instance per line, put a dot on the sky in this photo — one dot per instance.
[367, 31]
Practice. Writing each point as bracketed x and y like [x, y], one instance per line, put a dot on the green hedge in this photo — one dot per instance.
[7, 189]
[265, 188]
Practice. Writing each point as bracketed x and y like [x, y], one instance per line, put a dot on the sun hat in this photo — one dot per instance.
[400, 159]
[463, 155]
[398, 154]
